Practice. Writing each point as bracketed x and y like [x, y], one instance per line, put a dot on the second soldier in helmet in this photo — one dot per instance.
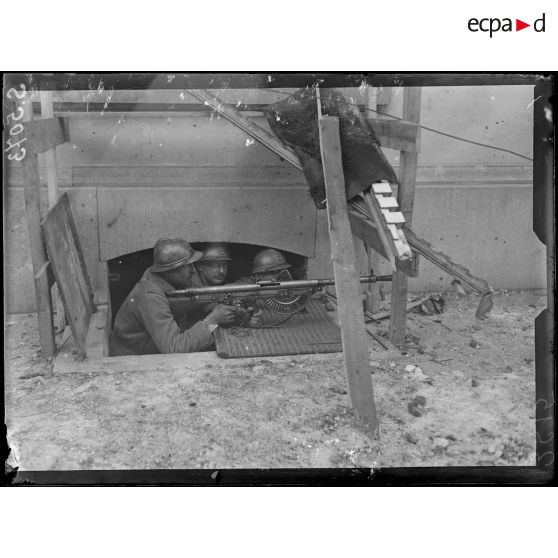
[213, 266]
[212, 269]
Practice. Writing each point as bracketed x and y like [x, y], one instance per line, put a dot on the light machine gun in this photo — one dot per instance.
[284, 297]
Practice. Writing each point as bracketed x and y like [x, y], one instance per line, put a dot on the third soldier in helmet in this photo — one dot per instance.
[270, 265]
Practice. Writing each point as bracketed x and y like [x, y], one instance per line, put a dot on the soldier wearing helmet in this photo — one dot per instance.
[212, 269]
[270, 264]
[146, 323]
[213, 266]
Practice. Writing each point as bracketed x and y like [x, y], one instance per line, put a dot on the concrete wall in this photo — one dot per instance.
[473, 203]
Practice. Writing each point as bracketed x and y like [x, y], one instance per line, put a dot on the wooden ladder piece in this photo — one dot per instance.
[382, 188]
[393, 217]
[389, 220]
[387, 202]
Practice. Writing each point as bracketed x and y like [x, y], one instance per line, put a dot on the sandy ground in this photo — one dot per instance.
[476, 378]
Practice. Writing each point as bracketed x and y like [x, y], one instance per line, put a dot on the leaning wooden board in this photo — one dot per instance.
[69, 269]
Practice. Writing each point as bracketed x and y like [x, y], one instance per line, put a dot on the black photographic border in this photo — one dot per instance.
[543, 225]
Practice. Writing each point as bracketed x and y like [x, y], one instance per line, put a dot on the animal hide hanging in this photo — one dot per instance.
[295, 122]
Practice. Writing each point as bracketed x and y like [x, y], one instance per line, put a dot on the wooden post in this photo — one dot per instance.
[405, 199]
[372, 302]
[38, 253]
[41, 270]
[351, 318]
[47, 111]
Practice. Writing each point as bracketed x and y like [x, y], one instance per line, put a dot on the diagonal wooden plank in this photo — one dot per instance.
[351, 318]
[364, 227]
[251, 128]
[444, 262]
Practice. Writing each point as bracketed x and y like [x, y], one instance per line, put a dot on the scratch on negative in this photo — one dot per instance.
[533, 102]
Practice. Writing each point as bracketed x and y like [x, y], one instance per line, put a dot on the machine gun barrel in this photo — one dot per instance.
[269, 287]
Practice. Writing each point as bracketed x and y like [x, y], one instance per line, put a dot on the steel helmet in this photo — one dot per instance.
[171, 252]
[269, 260]
[215, 251]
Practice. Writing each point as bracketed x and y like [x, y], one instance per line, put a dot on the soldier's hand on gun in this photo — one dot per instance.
[255, 316]
[242, 316]
[222, 315]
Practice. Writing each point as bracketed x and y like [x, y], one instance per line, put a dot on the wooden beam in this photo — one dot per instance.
[50, 154]
[159, 99]
[406, 199]
[351, 319]
[43, 135]
[396, 134]
[375, 293]
[95, 340]
[84, 107]
[42, 273]
[409, 159]
[38, 253]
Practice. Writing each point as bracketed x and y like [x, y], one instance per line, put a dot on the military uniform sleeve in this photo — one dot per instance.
[163, 329]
